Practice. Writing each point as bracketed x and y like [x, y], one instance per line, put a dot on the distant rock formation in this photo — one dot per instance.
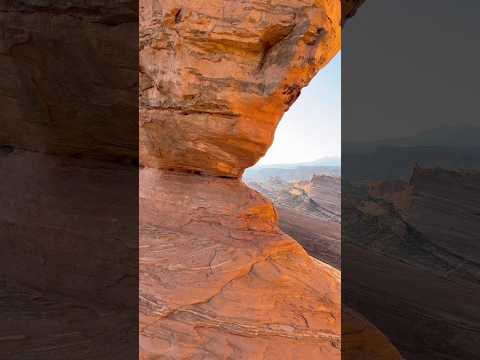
[326, 191]
[321, 238]
[425, 233]
[309, 211]
[319, 197]
[288, 172]
[397, 192]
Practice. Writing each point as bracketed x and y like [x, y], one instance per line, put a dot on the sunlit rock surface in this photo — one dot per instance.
[217, 76]
[218, 278]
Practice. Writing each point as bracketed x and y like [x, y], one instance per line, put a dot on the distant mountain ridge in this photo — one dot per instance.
[454, 136]
[388, 163]
[324, 161]
[452, 147]
[294, 172]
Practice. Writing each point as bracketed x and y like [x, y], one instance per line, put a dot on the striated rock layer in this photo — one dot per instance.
[218, 279]
[424, 233]
[309, 211]
[217, 76]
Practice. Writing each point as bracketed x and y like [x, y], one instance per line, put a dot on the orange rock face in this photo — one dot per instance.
[217, 76]
[218, 279]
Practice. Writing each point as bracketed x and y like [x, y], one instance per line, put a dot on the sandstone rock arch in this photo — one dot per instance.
[218, 279]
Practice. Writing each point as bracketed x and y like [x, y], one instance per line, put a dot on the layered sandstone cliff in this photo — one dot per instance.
[218, 279]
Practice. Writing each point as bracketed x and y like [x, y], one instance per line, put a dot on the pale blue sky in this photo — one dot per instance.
[311, 128]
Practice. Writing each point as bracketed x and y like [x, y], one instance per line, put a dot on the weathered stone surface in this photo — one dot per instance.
[56, 210]
[217, 76]
[321, 235]
[219, 279]
[45, 325]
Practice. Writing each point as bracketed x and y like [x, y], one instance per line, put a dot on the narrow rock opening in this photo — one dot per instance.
[300, 173]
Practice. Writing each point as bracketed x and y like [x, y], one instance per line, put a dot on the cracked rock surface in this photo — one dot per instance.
[219, 280]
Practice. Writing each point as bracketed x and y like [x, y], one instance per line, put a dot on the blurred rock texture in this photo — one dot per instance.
[68, 139]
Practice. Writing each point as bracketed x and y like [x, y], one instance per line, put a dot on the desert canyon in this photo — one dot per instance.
[423, 231]
[309, 211]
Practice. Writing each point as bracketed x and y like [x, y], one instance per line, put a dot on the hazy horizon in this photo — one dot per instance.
[313, 162]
